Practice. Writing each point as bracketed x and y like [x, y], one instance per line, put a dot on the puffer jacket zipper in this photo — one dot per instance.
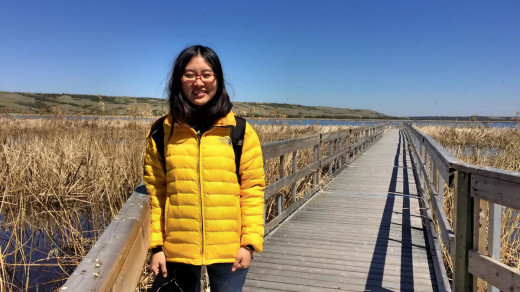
[199, 168]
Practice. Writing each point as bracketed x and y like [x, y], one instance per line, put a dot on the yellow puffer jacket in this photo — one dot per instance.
[200, 213]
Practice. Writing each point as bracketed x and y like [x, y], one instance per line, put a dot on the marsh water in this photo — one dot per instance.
[41, 249]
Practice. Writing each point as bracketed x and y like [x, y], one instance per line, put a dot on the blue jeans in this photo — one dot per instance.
[221, 278]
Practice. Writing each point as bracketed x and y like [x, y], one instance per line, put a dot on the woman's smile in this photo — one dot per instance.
[199, 84]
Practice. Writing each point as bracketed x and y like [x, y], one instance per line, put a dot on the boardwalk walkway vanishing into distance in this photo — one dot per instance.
[363, 232]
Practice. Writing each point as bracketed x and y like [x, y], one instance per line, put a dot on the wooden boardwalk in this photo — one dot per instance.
[363, 232]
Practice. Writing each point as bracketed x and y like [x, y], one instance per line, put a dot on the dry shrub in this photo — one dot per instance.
[487, 147]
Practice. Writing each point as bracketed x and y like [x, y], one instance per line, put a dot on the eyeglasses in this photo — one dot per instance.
[204, 77]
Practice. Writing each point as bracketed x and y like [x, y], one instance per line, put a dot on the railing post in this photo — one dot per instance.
[462, 279]
[330, 154]
[358, 147]
[279, 197]
[337, 143]
[434, 182]
[347, 145]
[340, 164]
[494, 235]
[317, 157]
[315, 175]
[479, 236]
[294, 170]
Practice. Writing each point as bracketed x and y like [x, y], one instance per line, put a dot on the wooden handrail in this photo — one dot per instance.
[115, 261]
[472, 186]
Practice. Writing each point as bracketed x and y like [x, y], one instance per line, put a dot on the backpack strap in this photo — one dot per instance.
[157, 134]
[237, 138]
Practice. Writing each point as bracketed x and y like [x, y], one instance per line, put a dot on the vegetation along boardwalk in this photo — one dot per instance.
[361, 233]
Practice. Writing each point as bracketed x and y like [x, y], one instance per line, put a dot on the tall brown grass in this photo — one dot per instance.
[63, 180]
[489, 147]
[62, 183]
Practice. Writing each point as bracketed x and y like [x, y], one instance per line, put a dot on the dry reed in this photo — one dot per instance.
[63, 181]
[488, 147]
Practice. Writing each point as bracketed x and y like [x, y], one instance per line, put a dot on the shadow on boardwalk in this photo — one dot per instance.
[364, 233]
[375, 274]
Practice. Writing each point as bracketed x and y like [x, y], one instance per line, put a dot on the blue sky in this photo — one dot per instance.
[402, 58]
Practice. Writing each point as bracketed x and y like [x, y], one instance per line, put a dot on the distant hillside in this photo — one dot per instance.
[77, 104]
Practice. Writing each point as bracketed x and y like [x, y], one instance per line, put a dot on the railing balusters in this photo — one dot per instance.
[476, 190]
[279, 196]
[494, 235]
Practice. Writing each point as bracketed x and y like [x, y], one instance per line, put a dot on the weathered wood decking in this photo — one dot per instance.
[361, 233]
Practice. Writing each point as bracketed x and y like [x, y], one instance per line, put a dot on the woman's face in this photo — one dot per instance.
[199, 83]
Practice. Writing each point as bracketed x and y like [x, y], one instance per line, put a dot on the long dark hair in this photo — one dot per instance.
[181, 108]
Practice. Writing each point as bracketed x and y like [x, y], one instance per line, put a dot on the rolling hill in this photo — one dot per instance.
[78, 104]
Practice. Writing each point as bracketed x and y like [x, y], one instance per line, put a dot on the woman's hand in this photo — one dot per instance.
[243, 259]
[158, 263]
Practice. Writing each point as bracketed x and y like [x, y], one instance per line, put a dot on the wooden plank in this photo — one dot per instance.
[495, 173]
[275, 149]
[357, 130]
[356, 259]
[329, 267]
[352, 277]
[130, 273]
[329, 159]
[462, 280]
[295, 170]
[345, 283]
[100, 268]
[494, 235]
[479, 236]
[345, 241]
[255, 285]
[494, 272]
[502, 192]
[440, 162]
[327, 137]
[447, 235]
[441, 277]
[273, 188]
[354, 251]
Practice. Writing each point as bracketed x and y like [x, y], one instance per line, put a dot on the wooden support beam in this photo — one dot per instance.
[462, 279]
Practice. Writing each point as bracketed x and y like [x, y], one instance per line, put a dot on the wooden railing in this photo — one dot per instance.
[475, 190]
[116, 260]
[343, 147]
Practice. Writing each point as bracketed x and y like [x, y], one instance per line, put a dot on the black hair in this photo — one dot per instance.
[181, 109]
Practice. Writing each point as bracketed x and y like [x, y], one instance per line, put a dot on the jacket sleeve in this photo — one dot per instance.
[155, 181]
[252, 187]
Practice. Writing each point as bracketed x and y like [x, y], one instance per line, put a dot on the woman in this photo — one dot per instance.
[201, 214]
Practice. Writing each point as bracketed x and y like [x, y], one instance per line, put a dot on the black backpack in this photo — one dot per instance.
[237, 139]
